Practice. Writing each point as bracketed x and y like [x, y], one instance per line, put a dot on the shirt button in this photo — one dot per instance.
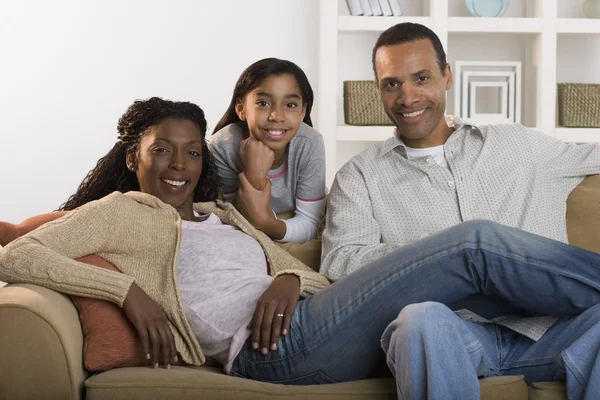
[430, 161]
[451, 183]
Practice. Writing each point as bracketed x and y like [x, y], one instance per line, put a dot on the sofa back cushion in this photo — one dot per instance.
[583, 214]
[10, 232]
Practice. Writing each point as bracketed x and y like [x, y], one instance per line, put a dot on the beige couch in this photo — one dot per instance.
[41, 350]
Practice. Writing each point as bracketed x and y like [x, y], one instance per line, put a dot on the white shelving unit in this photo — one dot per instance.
[535, 27]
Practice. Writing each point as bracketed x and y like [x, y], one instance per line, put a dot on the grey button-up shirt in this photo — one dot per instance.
[381, 200]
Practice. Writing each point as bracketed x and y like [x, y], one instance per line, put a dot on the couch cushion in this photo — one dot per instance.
[309, 253]
[109, 339]
[583, 214]
[548, 391]
[210, 383]
[10, 232]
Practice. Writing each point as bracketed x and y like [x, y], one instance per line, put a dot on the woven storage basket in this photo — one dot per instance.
[579, 105]
[362, 105]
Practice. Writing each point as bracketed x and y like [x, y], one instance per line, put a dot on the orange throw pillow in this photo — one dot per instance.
[109, 339]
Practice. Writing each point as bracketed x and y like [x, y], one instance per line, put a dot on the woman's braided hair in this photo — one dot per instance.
[111, 173]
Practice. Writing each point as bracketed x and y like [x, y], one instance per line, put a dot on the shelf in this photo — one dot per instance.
[351, 133]
[578, 135]
[377, 24]
[546, 43]
[578, 25]
[472, 24]
[500, 25]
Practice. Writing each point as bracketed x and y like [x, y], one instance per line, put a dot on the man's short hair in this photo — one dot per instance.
[410, 32]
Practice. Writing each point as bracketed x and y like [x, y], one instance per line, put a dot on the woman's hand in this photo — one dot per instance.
[257, 160]
[152, 326]
[267, 323]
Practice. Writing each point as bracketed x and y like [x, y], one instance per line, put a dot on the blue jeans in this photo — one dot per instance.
[335, 334]
[440, 356]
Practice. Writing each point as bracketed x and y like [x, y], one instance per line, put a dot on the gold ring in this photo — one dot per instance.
[280, 315]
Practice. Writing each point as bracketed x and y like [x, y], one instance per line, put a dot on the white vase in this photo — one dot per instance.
[591, 8]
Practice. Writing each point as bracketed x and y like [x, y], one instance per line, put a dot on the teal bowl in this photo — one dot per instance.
[487, 8]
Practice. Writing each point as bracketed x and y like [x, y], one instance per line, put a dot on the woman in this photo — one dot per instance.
[186, 294]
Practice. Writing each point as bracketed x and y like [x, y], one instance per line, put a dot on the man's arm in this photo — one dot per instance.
[565, 160]
[352, 237]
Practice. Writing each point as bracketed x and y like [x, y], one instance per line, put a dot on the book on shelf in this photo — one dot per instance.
[385, 8]
[354, 7]
[396, 9]
[376, 8]
[366, 7]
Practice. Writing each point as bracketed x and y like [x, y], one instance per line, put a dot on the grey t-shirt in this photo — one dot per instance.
[301, 177]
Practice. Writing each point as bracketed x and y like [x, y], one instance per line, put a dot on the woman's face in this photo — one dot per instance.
[168, 162]
[273, 111]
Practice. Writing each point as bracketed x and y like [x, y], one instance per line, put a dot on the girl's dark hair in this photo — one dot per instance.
[111, 173]
[253, 76]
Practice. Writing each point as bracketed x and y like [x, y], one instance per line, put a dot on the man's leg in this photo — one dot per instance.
[478, 257]
[568, 351]
[434, 354]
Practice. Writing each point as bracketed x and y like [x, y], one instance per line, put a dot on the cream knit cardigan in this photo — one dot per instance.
[140, 235]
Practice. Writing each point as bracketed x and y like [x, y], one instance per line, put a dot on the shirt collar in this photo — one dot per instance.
[456, 122]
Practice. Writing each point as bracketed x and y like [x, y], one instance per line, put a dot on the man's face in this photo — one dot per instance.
[413, 89]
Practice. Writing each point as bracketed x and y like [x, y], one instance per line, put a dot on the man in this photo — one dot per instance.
[437, 172]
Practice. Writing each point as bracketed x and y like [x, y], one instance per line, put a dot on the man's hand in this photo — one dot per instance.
[257, 160]
[152, 325]
[268, 323]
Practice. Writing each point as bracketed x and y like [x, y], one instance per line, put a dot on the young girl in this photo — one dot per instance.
[266, 135]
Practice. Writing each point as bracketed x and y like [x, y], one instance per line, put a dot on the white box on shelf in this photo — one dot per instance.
[508, 71]
[502, 116]
[502, 76]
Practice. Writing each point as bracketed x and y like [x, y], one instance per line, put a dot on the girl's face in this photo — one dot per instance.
[273, 111]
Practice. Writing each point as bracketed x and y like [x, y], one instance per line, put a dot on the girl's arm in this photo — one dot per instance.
[310, 192]
[304, 225]
[45, 256]
[255, 205]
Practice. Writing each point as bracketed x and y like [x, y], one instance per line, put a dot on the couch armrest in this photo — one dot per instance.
[41, 345]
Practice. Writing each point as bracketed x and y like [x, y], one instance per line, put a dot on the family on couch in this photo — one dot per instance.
[428, 235]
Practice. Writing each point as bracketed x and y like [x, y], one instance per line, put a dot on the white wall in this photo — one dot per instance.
[70, 68]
